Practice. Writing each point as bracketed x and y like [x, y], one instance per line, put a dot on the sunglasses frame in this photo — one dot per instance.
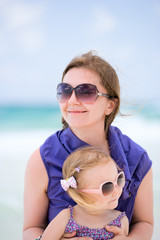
[99, 190]
[79, 98]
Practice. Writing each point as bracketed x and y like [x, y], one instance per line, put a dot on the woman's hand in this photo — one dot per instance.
[70, 236]
[119, 232]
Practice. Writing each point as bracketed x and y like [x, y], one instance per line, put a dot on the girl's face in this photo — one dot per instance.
[94, 177]
[81, 115]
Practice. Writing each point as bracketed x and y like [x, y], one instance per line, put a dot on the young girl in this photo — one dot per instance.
[93, 180]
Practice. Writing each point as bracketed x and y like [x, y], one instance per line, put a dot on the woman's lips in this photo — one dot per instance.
[76, 111]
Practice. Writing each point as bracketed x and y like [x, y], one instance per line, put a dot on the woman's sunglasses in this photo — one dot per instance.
[85, 92]
[107, 188]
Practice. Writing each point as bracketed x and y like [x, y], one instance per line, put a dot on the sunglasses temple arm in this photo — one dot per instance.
[105, 95]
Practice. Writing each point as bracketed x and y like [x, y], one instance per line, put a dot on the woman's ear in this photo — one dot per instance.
[111, 106]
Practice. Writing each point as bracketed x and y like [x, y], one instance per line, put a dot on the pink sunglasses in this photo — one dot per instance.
[107, 188]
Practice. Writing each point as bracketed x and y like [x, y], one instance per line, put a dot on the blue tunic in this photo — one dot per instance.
[129, 156]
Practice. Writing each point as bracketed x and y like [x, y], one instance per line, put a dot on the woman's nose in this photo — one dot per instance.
[73, 98]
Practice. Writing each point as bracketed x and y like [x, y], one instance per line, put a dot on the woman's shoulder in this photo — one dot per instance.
[53, 137]
[35, 168]
[137, 157]
[51, 144]
[126, 142]
[35, 160]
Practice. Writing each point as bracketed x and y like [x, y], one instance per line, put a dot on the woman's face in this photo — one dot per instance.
[82, 115]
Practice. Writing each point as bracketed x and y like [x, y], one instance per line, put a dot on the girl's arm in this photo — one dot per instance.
[125, 225]
[35, 198]
[142, 222]
[56, 228]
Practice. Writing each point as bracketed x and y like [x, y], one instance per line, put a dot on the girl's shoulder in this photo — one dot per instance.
[115, 214]
[125, 223]
[123, 219]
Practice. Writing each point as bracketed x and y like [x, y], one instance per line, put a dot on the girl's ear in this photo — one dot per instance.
[111, 106]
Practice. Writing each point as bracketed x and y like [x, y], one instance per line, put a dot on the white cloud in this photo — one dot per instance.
[102, 22]
[31, 41]
[17, 15]
[22, 23]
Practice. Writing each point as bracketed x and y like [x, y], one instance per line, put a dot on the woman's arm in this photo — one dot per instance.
[142, 221]
[36, 201]
[56, 228]
[35, 198]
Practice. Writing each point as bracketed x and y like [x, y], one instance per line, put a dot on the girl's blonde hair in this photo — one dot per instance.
[83, 158]
[108, 76]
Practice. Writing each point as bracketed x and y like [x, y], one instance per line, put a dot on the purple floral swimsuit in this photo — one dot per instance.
[95, 233]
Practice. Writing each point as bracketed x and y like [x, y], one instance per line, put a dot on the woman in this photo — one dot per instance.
[89, 98]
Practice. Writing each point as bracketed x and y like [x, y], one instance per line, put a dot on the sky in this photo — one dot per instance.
[39, 38]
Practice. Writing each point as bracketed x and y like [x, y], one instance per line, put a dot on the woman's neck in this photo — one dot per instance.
[94, 137]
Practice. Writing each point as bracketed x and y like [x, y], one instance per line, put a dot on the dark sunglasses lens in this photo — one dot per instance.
[64, 92]
[107, 188]
[120, 180]
[86, 93]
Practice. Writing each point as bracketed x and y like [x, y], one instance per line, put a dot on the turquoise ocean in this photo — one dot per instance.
[25, 128]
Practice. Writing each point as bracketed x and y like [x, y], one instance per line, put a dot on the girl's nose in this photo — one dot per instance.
[116, 191]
